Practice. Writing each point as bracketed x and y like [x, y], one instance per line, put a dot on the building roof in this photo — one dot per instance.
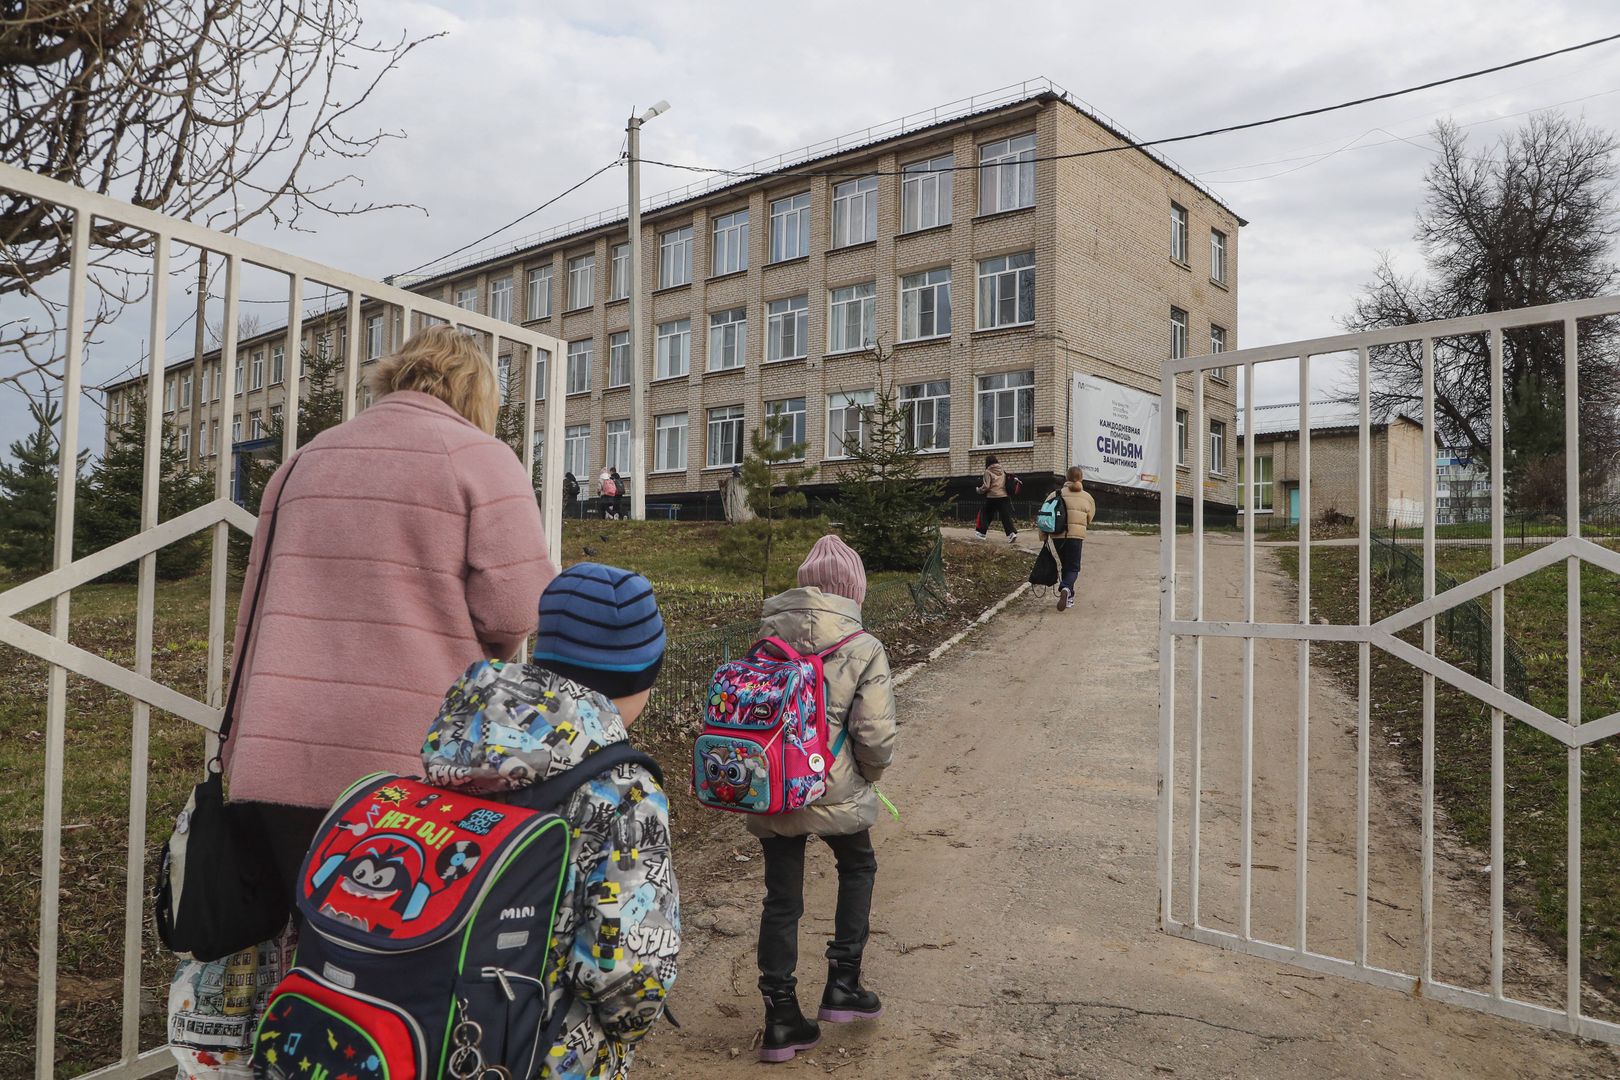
[1334, 414]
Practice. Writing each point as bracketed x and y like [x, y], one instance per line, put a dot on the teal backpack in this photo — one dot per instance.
[1053, 516]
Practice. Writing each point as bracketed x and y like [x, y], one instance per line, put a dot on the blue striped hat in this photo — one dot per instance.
[600, 626]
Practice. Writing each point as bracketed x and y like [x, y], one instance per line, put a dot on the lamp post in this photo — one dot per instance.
[639, 467]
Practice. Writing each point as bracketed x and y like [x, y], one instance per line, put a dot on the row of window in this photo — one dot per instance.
[1217, 444]
[1005, 407]
[208, 443]
[180, 386]
[1181, 244]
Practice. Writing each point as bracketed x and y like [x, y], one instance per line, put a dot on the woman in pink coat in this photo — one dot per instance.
[408, 546]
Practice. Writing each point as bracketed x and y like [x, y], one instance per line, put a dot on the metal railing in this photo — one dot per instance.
[1188, 622]
[218, 516]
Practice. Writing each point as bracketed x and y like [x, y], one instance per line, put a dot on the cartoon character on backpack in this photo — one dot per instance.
[377, 884]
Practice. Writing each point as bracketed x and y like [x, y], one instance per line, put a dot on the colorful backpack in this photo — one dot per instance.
[763, 749]
[428, 917]
[1053, 516]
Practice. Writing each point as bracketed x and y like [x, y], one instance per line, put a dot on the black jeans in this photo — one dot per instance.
[290, 830]
[1001, 507]
[784, 904]
[1069, 554]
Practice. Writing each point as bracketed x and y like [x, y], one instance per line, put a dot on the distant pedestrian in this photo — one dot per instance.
[618, 491]
[997, 501]
[608, 488]
[1082, 509]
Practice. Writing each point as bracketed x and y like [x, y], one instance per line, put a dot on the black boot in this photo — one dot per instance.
[786, 1029]
[845, 1000]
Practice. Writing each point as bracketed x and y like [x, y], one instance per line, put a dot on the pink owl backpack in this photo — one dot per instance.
[763, 749]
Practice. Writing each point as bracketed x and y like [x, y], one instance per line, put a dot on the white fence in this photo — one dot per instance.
[1187, 623]
[364, 296]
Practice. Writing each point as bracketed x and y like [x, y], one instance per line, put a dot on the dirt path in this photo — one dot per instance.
[1014, 919]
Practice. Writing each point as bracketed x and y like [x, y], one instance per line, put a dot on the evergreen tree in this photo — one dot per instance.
[110, 506]
[510, 426]
[890, 512]
[773, 495]
[28, 495]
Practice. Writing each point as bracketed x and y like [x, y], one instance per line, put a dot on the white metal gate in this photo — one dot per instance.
[363, 297]
[1187, 622]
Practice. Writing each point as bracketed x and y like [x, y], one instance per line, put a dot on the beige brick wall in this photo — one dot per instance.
[1399, 468]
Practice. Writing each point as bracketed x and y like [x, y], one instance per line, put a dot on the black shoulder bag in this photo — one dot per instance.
[217, 889]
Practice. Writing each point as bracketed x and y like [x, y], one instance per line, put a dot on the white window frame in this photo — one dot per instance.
[275, 413]
[724, 432]
[790, 227]
[1217, 256]
[374, 337]
[1007, 174]
[1217, 448]
[928, 406]
[616, 447]
[1181, 438]
[618, 359]
[860, 299]
[236, 429]
[619, 271]
[168, 394]
[926, 189]
[185, 441]
[792, 433]
[202, 440]
[1180, 235]
[842, 406]
[255, 424]
[257, 370]
[503, 375]
[674, 350]
[577, 454]
[854, 212]
[581, 282]
[729, 250]
[467, 298]
[241, 375]
[185, 391]
[500, 298]
[728, 339]
[997, 391]
[665, 428]
[675, 257]
[787, 321]
[219, 382]
[278, 365]
[1267, 486]
[1179, 330]
[580, 355]
[1217, 345]
[542, 357]
[539, 299]
[929, 290]
[996, 276]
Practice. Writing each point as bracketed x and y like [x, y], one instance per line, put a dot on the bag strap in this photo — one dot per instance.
[788, 652]
[238, 666]
[552, 792]
[824, 653]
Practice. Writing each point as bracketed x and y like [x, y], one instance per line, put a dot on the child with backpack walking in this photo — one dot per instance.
[1079, 510]
[824, 611]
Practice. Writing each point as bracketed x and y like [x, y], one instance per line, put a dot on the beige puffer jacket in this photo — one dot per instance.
[859, 697]
[1081, 507]
[993, 484]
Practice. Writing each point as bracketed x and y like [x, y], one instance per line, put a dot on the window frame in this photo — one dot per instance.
[799, 433]
[1022, 397]
[994, 164]
[538, 300]
[734, 420]
[660, 372]
[933, 392]
[1217, 257]
[579, 361]
[619, 272]
[1217, 345]
[619, 359]
[917, 291]
[728, 254]
[500, 298]
[799, 317]
[1217, 448]
[185, 390]
[1268, 485]
[375, 342]
[466, 297]
[681, 247]
[278, 365]
[850, 400]
[998, 277]
[1180, 329]
[799, 216]
[616, 446]
[866, 317]
[581, 281]
[1183, 422]
[573, 435]
[1180, 234]
[862, 189]
[256, 372]
[735, 329]
[915, 181]
[659, 429]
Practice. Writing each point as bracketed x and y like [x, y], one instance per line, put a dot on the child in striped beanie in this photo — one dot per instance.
[600, 627]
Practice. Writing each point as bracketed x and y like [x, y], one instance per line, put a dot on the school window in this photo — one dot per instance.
[579, 366]
[1217, 448]
[620, 273]
[241, 375]
[618, 446]
[202, 440]
[1217, 256]
[540, 293]
[675, 258]
[1178, 333]
[725, 436]
[577, 451]
[1178, 232]
[215, 439]
[1007, 174]
[1217, 344]
[275, 416]
[467, 298]
[790, 227]
[728, 336]
[202, 388]
[258, 370]
[236, 429]
[1006, 409]
[669, 443]
[927, 408]
[168, 395]
[619, 359]
[731, 243]
[500, 299]
[1181, 437]
[786, 420]
[185, 391]
[674, 349]
[278, 364]
[255, 425]
[581, 281]
[854, 212]
[854, 313]
[542, 357]
[185, 442]
[374, 337]
[787, 328]
[925, 305]
[1007, 291]
[1262, 485]
[503, 375]
[846, 422]
[925, 194]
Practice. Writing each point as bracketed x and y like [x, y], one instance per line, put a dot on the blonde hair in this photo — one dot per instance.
[449, 365]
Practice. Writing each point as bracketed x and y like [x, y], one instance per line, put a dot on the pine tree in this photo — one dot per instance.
[110, 507]
[773, 495]
[28, 495]
[890, 512]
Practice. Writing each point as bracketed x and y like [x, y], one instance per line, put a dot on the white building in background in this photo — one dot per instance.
[1462, 486]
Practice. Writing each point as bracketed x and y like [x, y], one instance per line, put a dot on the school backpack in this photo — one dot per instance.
[427, 937]
[763, 749]
[610, 488]
[1053, 516]
[1015, 485]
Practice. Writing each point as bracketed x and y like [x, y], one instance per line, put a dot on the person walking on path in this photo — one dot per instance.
[618, 491]
[824, 610]
[408, 546]
[997, 502]
[608, 488]
[1081, 509]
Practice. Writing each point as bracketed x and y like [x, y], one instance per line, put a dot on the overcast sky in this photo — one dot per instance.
[520, 100]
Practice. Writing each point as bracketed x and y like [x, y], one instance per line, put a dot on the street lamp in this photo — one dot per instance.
[640, 470]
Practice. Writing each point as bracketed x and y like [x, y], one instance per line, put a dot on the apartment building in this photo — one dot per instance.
[994, 254]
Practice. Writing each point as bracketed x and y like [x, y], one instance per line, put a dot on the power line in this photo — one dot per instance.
[1143, 145]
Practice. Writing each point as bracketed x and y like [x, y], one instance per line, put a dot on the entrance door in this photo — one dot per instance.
[1293, 506]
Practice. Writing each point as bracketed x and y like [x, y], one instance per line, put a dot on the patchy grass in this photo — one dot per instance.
[696, 594]
[1536, 781]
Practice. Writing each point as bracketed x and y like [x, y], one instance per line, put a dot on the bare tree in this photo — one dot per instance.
[220, 111]
[1532, 221]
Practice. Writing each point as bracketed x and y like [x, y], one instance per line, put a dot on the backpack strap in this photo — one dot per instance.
[552, 792]
[824, 653]
[788, 652]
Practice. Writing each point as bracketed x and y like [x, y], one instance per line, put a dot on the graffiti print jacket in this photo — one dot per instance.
[618, 931]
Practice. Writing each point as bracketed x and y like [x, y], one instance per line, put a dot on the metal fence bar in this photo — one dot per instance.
[292, 368]
[1246, 737]
[1427, 884]
[351, 355]
[1364, 650]
[1196, 756]
[1302, 817]
[1572, 515]
[1498, 668]
[1167, 646]
[219, 585]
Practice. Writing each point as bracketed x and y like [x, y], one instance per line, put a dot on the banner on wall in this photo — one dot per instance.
[1115, 433]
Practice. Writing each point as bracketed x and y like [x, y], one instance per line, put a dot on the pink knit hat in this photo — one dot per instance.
[834, 567]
